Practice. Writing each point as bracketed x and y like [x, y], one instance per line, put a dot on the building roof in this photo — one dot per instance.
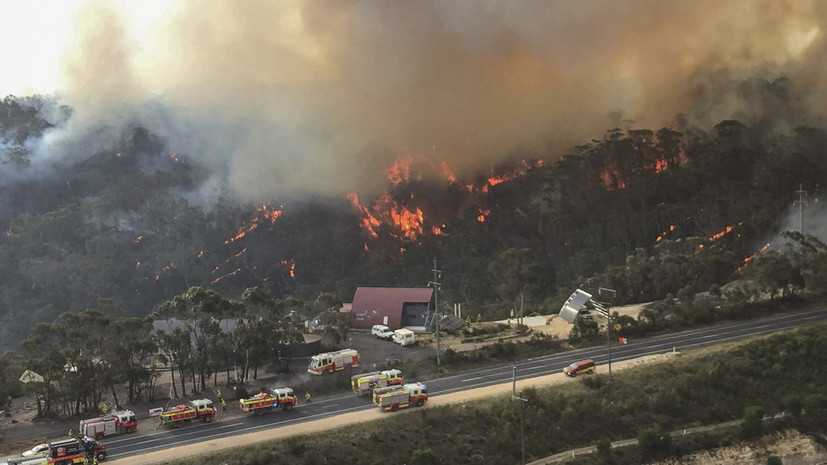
[371, 303]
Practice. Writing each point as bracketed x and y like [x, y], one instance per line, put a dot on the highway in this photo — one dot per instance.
[149, 439]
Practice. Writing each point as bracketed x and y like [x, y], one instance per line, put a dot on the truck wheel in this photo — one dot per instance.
[420, 402]
[207, 418]
[394, 407]
[177, 424]
[288, 407]
[131, 429]
[101, 456]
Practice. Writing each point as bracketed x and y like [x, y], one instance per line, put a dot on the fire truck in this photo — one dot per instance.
[395, 397]
[333, 361]
[65, 452]
[117, 422]
[197, 409]
[279, 397]
[365, 383]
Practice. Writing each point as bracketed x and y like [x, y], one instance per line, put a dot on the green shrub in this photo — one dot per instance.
[604, 446]
[751, 424]
[424, 457]
[654, 443]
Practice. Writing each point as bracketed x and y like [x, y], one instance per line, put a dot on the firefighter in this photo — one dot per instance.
[104, 408]
[223, 405]
[307, 398]
[71, 433]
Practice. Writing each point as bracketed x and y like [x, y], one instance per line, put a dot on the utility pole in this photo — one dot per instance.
[437, 286]
[801, 195]
[514, 397]
[606, 309]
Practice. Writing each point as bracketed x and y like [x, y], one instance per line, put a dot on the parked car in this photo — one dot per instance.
[36, 450]
[382, 332]
[582, 367]
[585, 314]
[404, 337]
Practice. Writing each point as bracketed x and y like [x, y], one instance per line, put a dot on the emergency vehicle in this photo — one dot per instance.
[333, 361]
[395, 397]
[279, 397]
[117, 422]
[365, 383]
[65, 452]
[197, 409]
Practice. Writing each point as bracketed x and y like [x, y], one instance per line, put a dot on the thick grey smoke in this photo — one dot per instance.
[320, 96]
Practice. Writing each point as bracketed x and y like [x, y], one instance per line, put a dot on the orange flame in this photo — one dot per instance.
[385, 211]
[721, 234]
[262, 211]
[752, 257]
[291, 267]
[483, 214]
[138, 239]
[663, 234]
[232, 273]
[400, 170]
[449, 175]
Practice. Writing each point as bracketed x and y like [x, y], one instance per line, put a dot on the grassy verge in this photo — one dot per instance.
[782, 372]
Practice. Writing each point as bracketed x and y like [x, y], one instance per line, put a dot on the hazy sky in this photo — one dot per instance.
[319, 95]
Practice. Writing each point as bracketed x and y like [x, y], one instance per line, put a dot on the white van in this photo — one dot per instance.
[404, 337]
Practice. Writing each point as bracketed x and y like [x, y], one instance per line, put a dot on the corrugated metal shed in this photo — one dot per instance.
[385, 305]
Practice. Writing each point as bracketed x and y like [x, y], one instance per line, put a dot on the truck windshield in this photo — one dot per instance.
[574, 366]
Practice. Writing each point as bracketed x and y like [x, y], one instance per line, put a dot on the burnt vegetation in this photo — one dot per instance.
[647, 212]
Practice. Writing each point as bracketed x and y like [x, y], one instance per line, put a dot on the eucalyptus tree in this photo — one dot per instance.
[130, 350]
[270, 330]
[46, 362]
[198, 312]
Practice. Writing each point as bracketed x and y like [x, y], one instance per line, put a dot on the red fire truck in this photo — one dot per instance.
[197, 409]
[395, 397]
[117, 422]
[333, 361]
[279, 397]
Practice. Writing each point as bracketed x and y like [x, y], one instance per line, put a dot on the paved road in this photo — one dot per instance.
[163, 438]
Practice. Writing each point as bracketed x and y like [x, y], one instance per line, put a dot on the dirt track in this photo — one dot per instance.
[356, 417]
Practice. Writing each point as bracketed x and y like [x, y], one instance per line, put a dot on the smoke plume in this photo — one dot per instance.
[319, 96]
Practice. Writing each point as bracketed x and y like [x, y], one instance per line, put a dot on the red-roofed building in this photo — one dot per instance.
[395, 307]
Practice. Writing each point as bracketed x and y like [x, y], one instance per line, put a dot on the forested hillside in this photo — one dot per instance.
[645, 211]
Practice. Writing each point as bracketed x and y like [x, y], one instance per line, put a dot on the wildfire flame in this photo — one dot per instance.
[483, 214]
[752, 257]
[232, 273]
[261, 212]
[408, 221]
[385, 211]
[449, 175]
[291, 264]
[138, 239]
[723, 233]
[663, 234]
